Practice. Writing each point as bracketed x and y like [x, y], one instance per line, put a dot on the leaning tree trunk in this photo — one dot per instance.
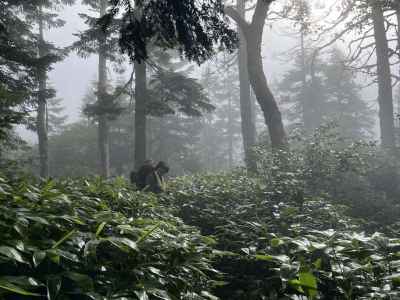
[246, 109]
[42, 106]
[103, 126]
[253, 33]
[385, 93]
[140, 113]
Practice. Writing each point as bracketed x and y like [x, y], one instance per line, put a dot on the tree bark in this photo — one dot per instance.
[305, 101]
[230, 132]
[385, 93]
[397, 8]
[253, 33]
[103, 126]
[246, 109]
[41, 121]
[140, 113]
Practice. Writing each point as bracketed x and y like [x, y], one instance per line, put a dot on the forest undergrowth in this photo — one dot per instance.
[309, 225]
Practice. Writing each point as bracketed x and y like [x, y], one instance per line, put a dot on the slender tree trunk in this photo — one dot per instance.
[397, 8]
[103, 126]
[230, 133]
[305, 101]
[246, 107]
[140, 113]
[253, 33]
[398, 53]
[385, 93]
[131, 129]
[150, 138]
[42, 106]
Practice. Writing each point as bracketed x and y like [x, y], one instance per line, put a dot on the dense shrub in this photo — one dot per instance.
[355, 173]
[92, 239]
[273, 245]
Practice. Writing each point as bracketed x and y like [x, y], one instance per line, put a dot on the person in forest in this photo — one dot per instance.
[150, 178]
[155, 181]
[139, 177]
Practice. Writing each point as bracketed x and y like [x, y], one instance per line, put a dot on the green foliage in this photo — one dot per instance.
[355, 173]
[18, 60]
[92, 239]
[273, 244]
[192, 27]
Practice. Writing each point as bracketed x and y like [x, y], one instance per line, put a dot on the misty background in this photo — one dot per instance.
[71, 78]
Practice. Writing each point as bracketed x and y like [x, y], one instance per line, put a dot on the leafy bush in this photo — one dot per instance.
[272, 245]
[355, 173]
[92, 239]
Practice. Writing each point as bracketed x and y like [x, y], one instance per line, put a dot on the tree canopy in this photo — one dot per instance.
[193, 27]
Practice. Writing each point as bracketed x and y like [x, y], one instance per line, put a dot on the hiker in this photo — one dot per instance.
[139, 178]
[150, 178]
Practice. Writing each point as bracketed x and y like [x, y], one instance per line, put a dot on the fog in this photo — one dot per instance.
[270, 171]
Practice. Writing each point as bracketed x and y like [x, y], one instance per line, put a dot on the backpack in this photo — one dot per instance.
[139, 178]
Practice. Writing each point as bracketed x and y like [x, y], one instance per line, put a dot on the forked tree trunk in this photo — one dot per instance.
[41, 120]
[140, 113]
[103, 127]
[253, 33]
[246, 109]
[385, 93]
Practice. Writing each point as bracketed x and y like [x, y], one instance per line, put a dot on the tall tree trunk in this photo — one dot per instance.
[42, 106]
[253, 33]
[103, 126]
[397, 8]
[246, 109]
[305, 101]
[163, 140]
[140, 113]
[230, 133]
[385, 93]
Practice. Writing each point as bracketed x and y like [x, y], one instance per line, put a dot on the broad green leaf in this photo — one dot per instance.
[38, 220]
[100, 228]
[142, 295]
[38, 257]
[16, 289]
[155, 271]
[295, 283]
[275, 242]
[53, 287]
[161, 294]
[122, 242]
[264, 257]
[11, 253]
[21, 281]
[207, 295]
[53, 256]
[148, 233]
[82, 280]
[64, 238]
[318, 263]
[309, 282]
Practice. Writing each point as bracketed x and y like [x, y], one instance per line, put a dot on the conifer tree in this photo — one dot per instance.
[98, 40]
[333, 96]
[18, 58]
[43, 16]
